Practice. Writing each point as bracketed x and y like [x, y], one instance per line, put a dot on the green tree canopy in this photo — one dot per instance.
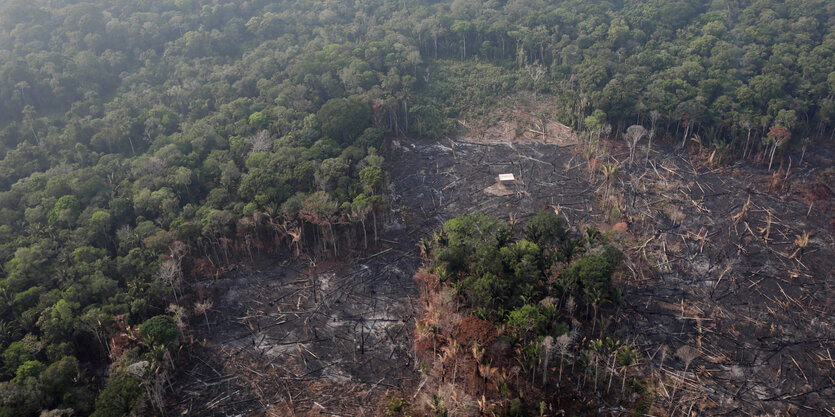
[159, 331]
[344, 119]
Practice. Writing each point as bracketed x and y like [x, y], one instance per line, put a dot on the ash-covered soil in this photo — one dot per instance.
[756, 310]
[286, 339]
[434, 181]
[729, 279]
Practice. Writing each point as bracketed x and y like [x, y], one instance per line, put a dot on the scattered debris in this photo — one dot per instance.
[754, 310]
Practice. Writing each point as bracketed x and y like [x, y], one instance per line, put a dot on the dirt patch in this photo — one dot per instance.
[522, 118]
[498, 189]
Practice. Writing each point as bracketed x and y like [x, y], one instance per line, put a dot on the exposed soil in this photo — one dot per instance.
[286, 339]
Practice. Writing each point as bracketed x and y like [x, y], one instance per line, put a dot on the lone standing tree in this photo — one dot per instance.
[633, 135]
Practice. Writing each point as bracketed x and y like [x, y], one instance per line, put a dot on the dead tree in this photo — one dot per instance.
[777, 137]
[535, 72]
[686, 354]
[653, 118]
[633, 135]
[169, 274]
[261, 142]
[202, 307]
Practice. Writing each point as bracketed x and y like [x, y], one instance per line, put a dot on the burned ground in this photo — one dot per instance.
[727, 296]
[285, 341]
[730, 297]
[729, 279]
[288, 340]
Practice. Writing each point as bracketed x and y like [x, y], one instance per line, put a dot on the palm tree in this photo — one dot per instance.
[626, 358]
[610, 171]
[478, 352]
[594, 355]
[595, 296]
[487, 372]
[319, 209]
[513, 220]
[294, 231]
[360, 208]
[450, 352]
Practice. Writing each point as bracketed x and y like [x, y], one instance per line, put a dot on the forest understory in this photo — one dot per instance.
[728, 295]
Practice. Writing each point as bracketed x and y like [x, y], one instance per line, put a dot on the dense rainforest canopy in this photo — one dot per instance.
[141, 141]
